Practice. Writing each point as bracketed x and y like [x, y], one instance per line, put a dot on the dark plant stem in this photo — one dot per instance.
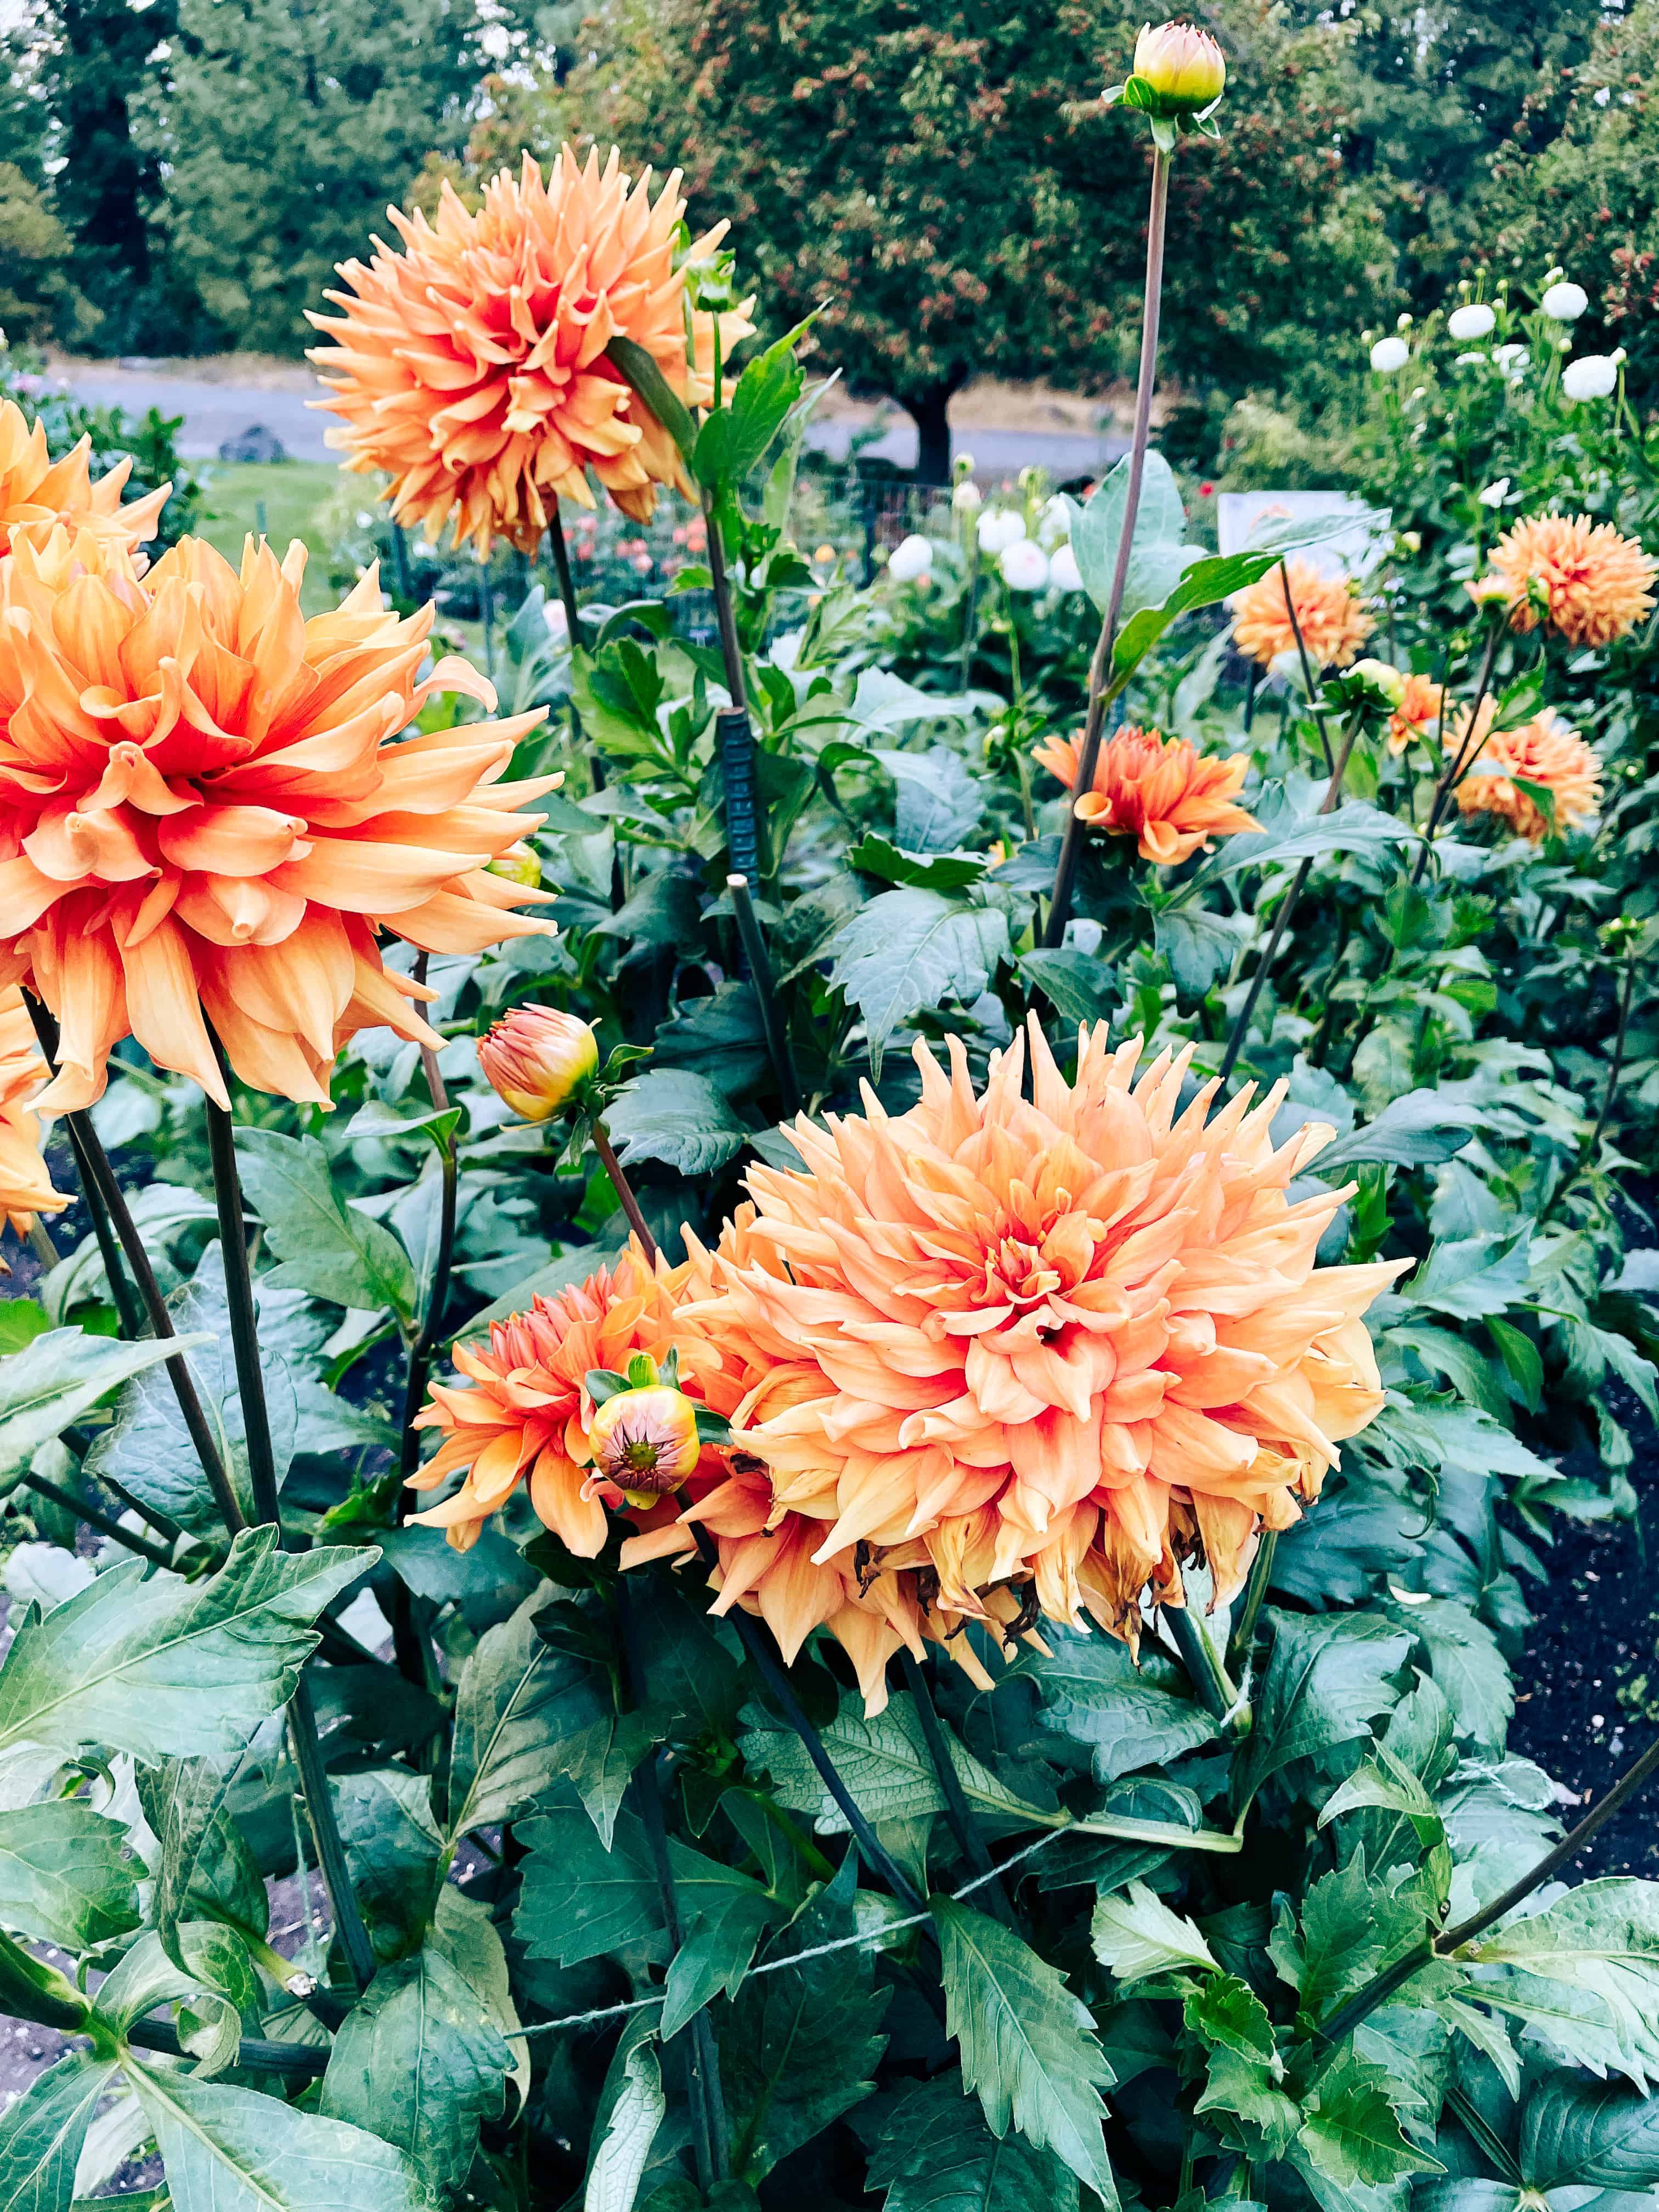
[957, 1811]
[1308, 684]
[567, 580]
[624, 1190]
[725, 612]
[1215, 1691]
[753, 1636]
[300, 2062]
[163, 1523]
[1071, 847]
[760, 972]
[262, 1475]
[1255, 1592]
[1467, 752]
[93, 1519]
[1616, 1068]
[127, 1304]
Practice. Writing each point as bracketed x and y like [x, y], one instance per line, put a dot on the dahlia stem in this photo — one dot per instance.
[1308, 685]
[970, 1842]
[1616, 1066]
[1100, 695]
[1468, 751]
[40, 1243]
[725, 614]
[262, 1475]
[1287, 907]
[566, 581]
[1242, 1639]
[107, 1202]
[760, 974]
[624, 1190]
[93, 1519]
[1209, 1677]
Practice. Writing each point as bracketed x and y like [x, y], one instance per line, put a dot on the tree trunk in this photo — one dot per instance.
[928, 410]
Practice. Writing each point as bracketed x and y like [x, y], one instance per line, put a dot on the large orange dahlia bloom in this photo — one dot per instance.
[25, 1183]
[205, 810]
[472, 366]
[1156, 789]
[1597, 584]
[1328, 613]
[1545, 752]
[36, 492]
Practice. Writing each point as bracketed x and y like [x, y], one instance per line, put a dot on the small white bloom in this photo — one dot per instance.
[1592, 376]
[558, 623]
[963, 465]
[1403, 322]
[1063, 571]
[1494, 495]
[1389, 357]
[1000, 529]
[1054, 523]
[967, 496]
[1025, 566]
[911, 558]
[1475, 321]
[1513, 360]
[1618, 356]
[1565, 303]
[1470, 360]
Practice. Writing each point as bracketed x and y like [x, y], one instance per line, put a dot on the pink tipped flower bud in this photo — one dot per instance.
[645, 1441]
[536, 1057]
[1182, 64]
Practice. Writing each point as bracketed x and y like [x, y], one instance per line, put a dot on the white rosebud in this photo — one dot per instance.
[1063, 571]
[911, 558]
[966, 497]
[1389, 357]
[1000, 528]
[1403, 322]
[1475, 321]
[1565, 303]
[1054, 523]
[1592, 376]
[1494, 495]
[1025, 566]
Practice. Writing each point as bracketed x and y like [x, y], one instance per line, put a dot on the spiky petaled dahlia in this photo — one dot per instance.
[1076, 1338]
[1156, 789]
[1597, 584]
[470, 367]
[1328, 613]
[204, 809]
[1544, 751]
[37, 493]
[25, 1182]
[1418, 711]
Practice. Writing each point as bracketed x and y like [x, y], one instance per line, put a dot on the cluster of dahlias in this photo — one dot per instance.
[995, 1356]
[472, 366]
[1328, 613]
[1544, 753]
[1583, 580]
[1156, 789]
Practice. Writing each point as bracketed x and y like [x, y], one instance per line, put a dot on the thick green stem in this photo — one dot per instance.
[1463, 760]
[957, 1813]
[127, 1538]
[1255, 1592]
[725, 612]
[624, 1190]
[760, 973]
[1209, 1677]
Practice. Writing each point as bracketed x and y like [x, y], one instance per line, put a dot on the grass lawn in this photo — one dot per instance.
[294, 494]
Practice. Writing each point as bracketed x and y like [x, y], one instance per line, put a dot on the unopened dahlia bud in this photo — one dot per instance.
[967, 496]
[1489, 591]
[645, 1441]
[520, 865]
[536, 1058]
[1386, 686]
[1183, 65]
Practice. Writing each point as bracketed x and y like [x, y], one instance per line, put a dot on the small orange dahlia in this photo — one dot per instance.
[1154, 788]
[1419, 709]
[25, 1183]
[1074, 1339]
[1597, 584]
[36, 492]
[1328, 613]
[1544, 752]
[204, 809]
[471, 369]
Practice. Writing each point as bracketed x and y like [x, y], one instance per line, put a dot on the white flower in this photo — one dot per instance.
[1470, 360]
[1054, 523]
[1565, 303]
[1025, 566]
[911, 558]
[1000, 529]
[1494, 495]
[1513, 360]
[1063, 571]
[966, 497]
[1389, 357]
[1592, 376]
[558, 623]
[1476, 321]
[963, 465]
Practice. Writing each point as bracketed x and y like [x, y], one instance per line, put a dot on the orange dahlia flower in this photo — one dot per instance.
[1545, 752]
[25, 1184]
[1419, 707]
[203, 810]
[1154, 788]
[36, 492]
[1072, 1339]
[472, 366]
[1333, 622]
[1597, 584]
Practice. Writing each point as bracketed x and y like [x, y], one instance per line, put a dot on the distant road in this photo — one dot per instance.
[214, 412]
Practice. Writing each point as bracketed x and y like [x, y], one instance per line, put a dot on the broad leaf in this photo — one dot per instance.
[184, 1801]
[885, 1763]
[935, 2154]
[42, 2132]
[910, 950]
[1351, 2134]
[67, 1875]
[518, 1696]
[939, 800]
[735, 435]
[1327, 1678]
[56, 1378]
[1078, 987]
[1136, 1934]
[1416, 1130]
[580, 1900]
[326, 1247]
[234, 2150]
[1129, 1716]
[1199, 946]
[1157, 557]
[394, 1854]
[1578, 2134]
[682, 1119]
[1586, 1971]
[632, 2106]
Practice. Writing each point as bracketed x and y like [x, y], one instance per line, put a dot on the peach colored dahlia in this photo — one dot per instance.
[1078, 1337]
[1156, 789]
[36, 492]
[25, 1183]
[1544, 751]
[1597, 584]
[470, 367]
[1333, 622]
[1418, 708]
[205, 808]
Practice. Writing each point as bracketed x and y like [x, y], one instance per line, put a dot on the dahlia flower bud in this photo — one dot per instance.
[520, 865]
[1592, 376]
[1025, 566]
[536, 1058]
[1389, 357]
[645, 1440]
[1183, 65]
[1489, 591]
[1063, 572]
[966, 498]
[911, 558]
[1380, 685]
[1475, 321]
[1000, 529]
[1565, 303]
